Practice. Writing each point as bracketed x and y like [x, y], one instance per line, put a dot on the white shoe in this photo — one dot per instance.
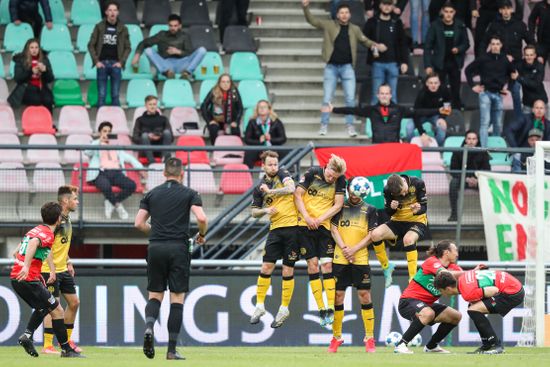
[108, 209]
[323, 130]
[258, 313]
[281, 317]
[402, 349]
[351, 131]
[122, 213]
[437, 349]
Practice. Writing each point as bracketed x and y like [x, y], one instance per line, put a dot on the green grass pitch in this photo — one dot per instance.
[281, 356]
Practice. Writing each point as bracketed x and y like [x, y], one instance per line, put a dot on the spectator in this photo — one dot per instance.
[340, 39]
[478, 160]
[32, 74]
[109, 48]
[539, 25]
[222, 108]
[517, 134]
[152, 128]
[446, 45]
[462, 8]
[388, 31]
[228, 8]
[106, 169]
[529, 77]
[174, 51]
[419, 7]
[372, 6]
[433, 96]
[521, 166]
[26, 11]
[494, 71]
[264, 128]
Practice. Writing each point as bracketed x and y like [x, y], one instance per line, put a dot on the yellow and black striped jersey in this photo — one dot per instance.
[416, 194]
[61, 246]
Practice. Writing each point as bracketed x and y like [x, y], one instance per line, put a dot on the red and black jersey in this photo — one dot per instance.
[46, 237]
[471, 283]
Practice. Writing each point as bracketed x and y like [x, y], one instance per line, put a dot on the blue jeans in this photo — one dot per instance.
[384, 72]
[515, 90]
[490, 110]
[104, 73]
[439, 132]
[177, 65]
[415, 10]
[516, 163]
[347, 76]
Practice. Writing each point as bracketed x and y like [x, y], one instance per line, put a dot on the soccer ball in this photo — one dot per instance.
[392, 339]
[417, 341]
[360, 187]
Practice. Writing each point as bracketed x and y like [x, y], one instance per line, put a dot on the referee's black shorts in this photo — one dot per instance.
[168, 264]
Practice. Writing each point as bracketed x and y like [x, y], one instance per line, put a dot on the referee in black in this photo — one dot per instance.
[168, 257]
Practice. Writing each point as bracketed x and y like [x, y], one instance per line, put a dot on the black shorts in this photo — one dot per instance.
[315, 243]
[35, 294]
[168, 264]
[282, 243]
[400, 229]
[351, 274]
[409, 307]
[64, 283]
[503, 303]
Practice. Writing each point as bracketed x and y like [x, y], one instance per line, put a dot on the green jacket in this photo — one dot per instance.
[331, 28]
[123, 42]
[165, 39]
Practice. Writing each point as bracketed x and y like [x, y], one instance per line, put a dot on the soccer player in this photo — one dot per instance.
[318, 197]
[29, 285]
[67, 197]
[488, 292]
[351, 229]
[406, 202]
[274, 196]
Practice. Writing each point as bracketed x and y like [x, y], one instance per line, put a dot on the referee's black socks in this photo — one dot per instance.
[152, 310]
[174, 325]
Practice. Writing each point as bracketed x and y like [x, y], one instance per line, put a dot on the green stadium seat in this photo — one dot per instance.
[56, 39]
[137, 90]
[498, 159]
[368, 128]
[88, 68]
[177, 93]
[144, 68]
[67, 93]
[451, 142]
[58, 12]
[16, 36]
[251, 92]
[402, 129]
[85, 12]
[11, 71]
[5, 12]
[136, 36]
[205, 70]
[63, 65]
[156, 29]
[2, 71]
[247, 116]
[206, 87]
[93, 96]
[83, 37]
[245, 66]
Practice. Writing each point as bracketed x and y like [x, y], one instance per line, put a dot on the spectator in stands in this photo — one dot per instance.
[388, 31]
[222, 108]
[445, 48]
[340, 39]
[106, 169]
[517, 134]
[478, 160]
[175, 55]
[372, 6]
[109, 48]
[433, 96]
[264, 128]
[529, 77]
[521, 166]
[152, 128]
[32, 74]
[228, 8]
[26, 11]
[462, 8]
[539, 25]
[494, 71]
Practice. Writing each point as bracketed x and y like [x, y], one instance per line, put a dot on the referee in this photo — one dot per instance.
[168, 257]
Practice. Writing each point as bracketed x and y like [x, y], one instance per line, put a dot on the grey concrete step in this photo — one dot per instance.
[304, 99]
[282, 43]
[285, 57]
[281, 29]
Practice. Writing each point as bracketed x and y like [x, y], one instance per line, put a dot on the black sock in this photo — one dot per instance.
[60, 331]
[410, 333]
[34, 322]
[328, 276]
[483, 326]
[442, 331]
[151, 312]
[174, 325]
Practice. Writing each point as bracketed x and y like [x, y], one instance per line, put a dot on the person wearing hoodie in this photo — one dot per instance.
[539, 25]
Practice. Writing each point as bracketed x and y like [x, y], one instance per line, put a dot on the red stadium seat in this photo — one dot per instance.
[199, 156]
[90, 188]
[235, 183]
[37, 120]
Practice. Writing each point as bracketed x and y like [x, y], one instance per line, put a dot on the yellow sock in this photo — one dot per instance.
[317, 290]
[338, 320]
[288, 289]
[330, 289]
[412, 259]
[264, 281]
[48, 337]
[70, 328]
[367, 313]
[381, 255]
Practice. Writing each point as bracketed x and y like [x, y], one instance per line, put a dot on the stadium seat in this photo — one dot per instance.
[63, 65]
[128, 12]
[5, 12]
[499, 161]
[56, 39]
[247, 116]
[13, 177]
[206, 87]
[238, 38]
[58, 12]
[181, 115]
[202, 36]
[451, 142]
[428, 158]
[155, 176]
[200, 178]
[116, 116]
[93, 93]
[10, 155]
[157, 28]
[47, 177]
[42, 155]
[251, 92]
[88, 188]
[71, 156]
[88, 68]
[67, 93]
[144, 68]
[137, 90]
[156, 12]
[7, 120]
[236, 179]
[37, 120]
[177, 93]
[4, 91]
[197, 156]
[436, 182]
[74, 120]
[2, 71]
[83, 37]
[206, 69]
[245, 65]
[223, 157]
[135, 34]
[138, 112]
[85, 12]
[16, 36]
[194, 12]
